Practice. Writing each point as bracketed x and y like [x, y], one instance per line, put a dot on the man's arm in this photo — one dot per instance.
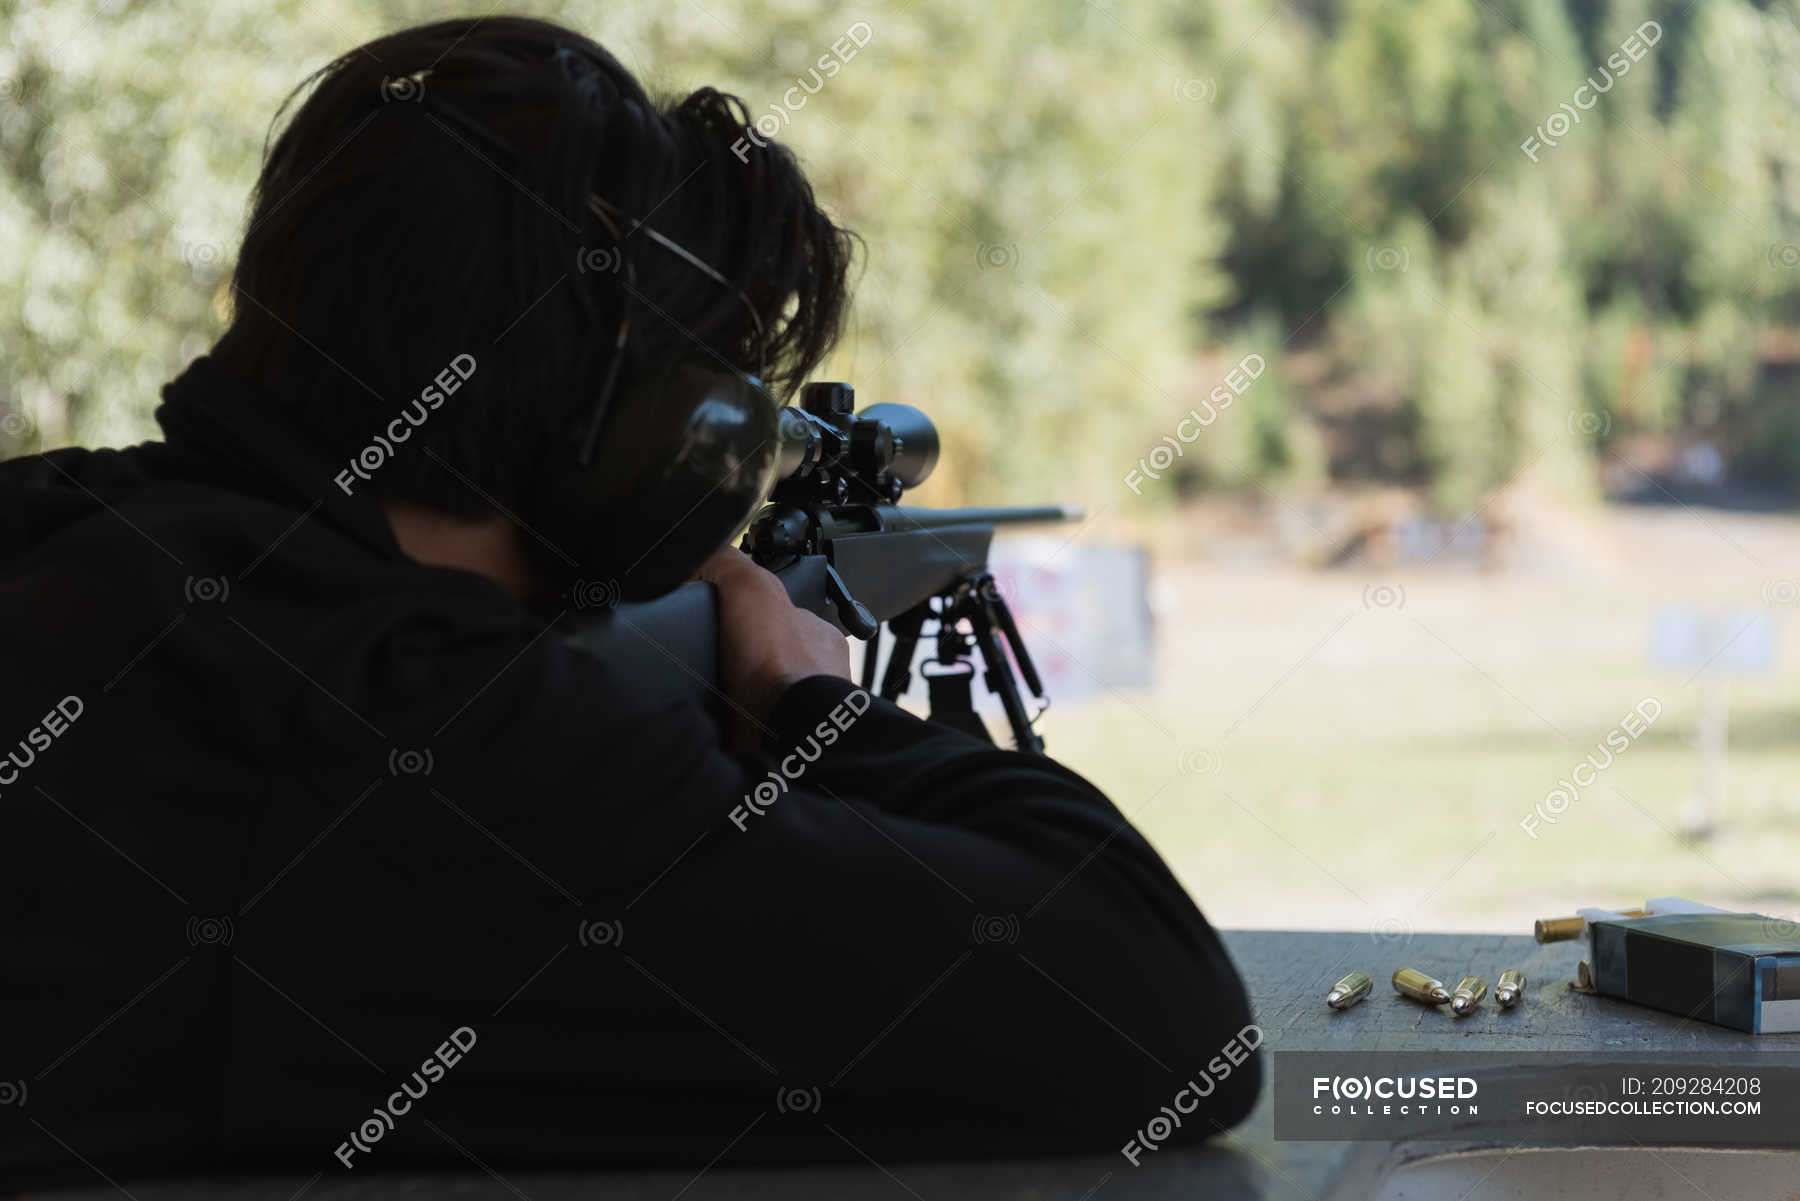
[966, 946]
[1080, 986]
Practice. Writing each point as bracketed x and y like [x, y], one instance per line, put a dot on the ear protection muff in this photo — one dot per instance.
[664, 470]
[683, 464]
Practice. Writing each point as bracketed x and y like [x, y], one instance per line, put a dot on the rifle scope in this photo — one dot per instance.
[830, 454]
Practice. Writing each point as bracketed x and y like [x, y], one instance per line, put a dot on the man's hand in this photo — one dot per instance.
[765, 643]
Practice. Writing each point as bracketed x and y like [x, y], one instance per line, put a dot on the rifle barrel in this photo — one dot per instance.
[907, 518]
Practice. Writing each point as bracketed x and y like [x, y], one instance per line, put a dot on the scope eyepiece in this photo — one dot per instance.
[802, 437]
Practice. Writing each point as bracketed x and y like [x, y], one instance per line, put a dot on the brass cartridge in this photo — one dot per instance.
[1468, 994]
[1568, 929]
[1511, 988]
[1349, 990]
[1420, 987]
[1558, 929]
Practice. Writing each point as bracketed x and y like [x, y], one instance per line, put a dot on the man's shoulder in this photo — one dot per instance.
[166, 589]
[105, 551]
[139, 498]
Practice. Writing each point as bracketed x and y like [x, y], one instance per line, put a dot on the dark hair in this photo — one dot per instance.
[430, 199]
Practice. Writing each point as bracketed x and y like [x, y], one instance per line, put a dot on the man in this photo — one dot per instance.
[329, 850]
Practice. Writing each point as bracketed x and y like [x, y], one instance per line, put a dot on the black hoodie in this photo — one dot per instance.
[320, 856]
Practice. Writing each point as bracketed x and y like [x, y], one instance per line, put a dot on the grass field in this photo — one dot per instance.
[1312, 757]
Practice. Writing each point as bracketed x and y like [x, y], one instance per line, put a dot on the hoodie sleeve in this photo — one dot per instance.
[968, 945]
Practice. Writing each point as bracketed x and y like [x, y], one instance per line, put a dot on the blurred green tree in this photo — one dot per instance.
[1065, 203]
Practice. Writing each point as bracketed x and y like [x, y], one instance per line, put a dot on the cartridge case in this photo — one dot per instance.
[1349, 990]
[1420, 987]
[1510, 989]
[1558, 929]
[1467, 995]
[1568, 929]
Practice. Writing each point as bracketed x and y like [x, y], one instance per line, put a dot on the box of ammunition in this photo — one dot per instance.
[1740, 970]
